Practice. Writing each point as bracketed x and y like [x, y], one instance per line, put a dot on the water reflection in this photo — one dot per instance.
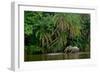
[56, 56]
[71, 56]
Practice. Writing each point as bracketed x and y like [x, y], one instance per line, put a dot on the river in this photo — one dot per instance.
[56, 56]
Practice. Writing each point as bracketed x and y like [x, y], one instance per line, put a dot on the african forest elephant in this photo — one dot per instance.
[71, 49]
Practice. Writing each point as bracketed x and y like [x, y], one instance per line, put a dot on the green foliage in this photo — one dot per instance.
[53, 32]
[32, 49]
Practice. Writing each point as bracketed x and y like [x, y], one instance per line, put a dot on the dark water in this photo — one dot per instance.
[56, 56]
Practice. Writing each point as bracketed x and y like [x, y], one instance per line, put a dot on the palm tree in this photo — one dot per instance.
[67, 26]
[44, 39]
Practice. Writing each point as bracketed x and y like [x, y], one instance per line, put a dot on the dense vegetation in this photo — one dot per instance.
[51, 32]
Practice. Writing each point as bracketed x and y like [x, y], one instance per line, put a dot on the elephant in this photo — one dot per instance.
[71, 49]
